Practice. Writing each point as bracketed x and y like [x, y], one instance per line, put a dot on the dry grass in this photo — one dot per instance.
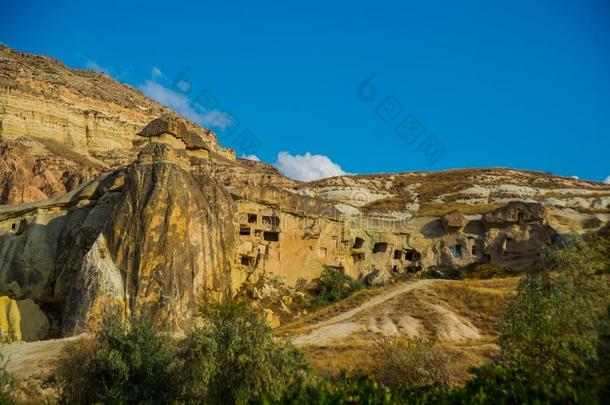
[331, 360]
[437, 209]
[391, 203]
[329, 311]
[481, 301]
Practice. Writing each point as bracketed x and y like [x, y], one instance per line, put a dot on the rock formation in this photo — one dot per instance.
[110, 198]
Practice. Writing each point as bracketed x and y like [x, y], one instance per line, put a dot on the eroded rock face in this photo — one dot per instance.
[152, 236]
[171, 236]
[23, 178]
[90, 113]
[514, 213]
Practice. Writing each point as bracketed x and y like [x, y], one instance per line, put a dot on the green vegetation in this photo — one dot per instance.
[231, 358]
[8, 384]
[333, 285]
[474, 271]
[128, 361]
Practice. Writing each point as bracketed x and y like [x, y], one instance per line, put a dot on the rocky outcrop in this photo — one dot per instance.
[514, 213]
[26, 178]
[454, 221]
[152, 236]
[23, 178]
[171, 237]
[79, 113]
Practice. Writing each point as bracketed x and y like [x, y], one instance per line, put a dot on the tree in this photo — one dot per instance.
[128, 361]
[333, 285]
[549, 335]
[233, 357]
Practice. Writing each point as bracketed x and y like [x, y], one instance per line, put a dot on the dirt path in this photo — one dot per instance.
[26, 359]
[376, 300]
[389, 314]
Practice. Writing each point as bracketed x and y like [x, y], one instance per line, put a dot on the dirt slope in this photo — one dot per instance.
[461, 315]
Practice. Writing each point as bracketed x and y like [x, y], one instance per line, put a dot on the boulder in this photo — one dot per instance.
[10, 320]
[378, 278]
[454, 221]
[514, 213]
[173, 126]
[271, 318]
[34, 322]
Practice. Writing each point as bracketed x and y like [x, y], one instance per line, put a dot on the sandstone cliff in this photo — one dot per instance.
[149, 236]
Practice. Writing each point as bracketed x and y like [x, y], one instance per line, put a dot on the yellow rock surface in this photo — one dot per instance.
[10, 319]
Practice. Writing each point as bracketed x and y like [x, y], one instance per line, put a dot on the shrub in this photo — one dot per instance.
[357, 388]
[8, 384]
[233, 358]
[127, 361]
[333, 285]
[496, 384]
[479, 271]
[483, 271]
[410, 362]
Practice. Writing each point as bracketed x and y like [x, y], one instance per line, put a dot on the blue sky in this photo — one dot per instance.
[523, 84]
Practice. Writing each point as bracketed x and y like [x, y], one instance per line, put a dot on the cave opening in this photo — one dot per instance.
[271, 236]
[380, 247]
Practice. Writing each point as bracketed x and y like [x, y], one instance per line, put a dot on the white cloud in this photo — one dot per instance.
[251, 157]
[607, 181]
[575, 177]
[307, 167]
[180, 103]
[93, 65]
[217, 119]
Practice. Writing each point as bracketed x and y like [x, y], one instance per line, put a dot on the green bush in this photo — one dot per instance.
[8, 384]
[357, 388]
[478, 271]
[128, 361]
[333, 285]
[483, 271]
[233, 358]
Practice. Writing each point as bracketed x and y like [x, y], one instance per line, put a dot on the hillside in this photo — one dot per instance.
[110, 198]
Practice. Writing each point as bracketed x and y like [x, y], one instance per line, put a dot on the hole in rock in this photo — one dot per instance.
[380, 247]
[271, 236]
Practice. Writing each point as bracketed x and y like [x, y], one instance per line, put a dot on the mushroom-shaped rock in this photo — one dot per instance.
[165, 126]
[454, 221]
[515, 212]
